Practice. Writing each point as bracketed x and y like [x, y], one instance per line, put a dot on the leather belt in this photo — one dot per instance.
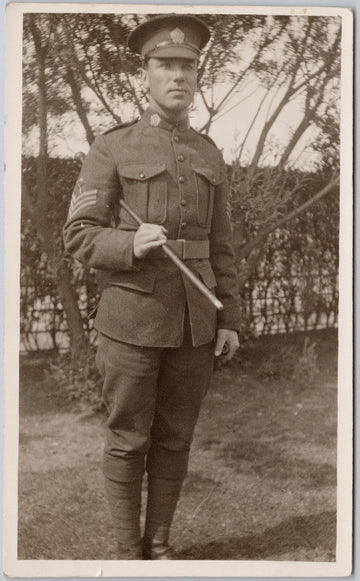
[186, 249]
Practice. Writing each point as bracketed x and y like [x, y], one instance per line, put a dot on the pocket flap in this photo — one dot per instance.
[141, 171]
[208, 277]
[139, 281]
[209, 174]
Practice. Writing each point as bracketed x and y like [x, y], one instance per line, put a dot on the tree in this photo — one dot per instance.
[309, 70]
[37, 202]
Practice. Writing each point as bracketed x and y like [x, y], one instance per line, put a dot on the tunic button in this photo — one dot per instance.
[182, 179]
[180, 157]
[176, 138]
[214, 180]
[183, 225]
[183, 202]
[142, 175]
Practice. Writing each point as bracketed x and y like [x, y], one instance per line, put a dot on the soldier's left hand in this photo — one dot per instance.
[226, 337]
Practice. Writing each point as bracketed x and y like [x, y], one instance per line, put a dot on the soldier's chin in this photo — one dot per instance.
[178, 102]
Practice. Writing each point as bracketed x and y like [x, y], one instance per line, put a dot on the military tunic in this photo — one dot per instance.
[169, 175]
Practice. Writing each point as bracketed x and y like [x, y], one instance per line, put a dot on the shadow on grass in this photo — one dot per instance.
[249, 456]
[307, 532]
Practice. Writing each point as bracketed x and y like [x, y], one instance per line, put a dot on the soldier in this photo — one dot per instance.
[157, 333]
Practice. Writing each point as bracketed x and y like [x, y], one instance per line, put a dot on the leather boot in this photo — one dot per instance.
[163, 495]
[157, 551]
[129, 553]
[125, 504]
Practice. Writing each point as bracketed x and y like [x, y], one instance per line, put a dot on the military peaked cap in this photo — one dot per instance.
[170, 36]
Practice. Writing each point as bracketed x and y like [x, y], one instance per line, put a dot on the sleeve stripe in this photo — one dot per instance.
[90, 198]
[86, 199]
[85, 195]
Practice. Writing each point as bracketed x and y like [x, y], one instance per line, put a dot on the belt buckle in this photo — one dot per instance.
[182, 246]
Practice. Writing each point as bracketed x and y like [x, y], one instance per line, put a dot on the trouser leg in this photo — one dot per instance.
[129, 393]
[184, 377]
[124, 499]
[163, 495]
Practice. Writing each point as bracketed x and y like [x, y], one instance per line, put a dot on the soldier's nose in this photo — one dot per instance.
[179, 75]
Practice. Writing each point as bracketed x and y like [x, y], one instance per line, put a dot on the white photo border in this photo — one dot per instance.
[12, 155]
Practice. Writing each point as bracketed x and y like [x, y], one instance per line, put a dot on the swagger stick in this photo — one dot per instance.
[179, 263]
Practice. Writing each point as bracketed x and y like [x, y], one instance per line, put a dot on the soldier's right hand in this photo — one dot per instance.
[148, 236]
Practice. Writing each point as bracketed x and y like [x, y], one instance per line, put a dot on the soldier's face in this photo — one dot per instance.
[171, 83]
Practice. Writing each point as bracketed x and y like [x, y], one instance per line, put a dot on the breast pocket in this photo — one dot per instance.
[145, 191]
[206, 181]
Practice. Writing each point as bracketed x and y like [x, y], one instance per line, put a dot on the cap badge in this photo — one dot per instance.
[155, 120]
[177, 36]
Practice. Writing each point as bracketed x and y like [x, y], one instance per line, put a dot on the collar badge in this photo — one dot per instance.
[177, 36]
[155, 120]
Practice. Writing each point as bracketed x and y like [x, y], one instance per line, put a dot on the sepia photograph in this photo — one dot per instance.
[178, 298]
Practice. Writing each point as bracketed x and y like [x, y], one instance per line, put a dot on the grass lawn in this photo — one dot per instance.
[262, 477]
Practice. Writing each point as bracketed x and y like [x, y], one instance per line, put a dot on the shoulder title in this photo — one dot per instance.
[206, 137]
[121, 126]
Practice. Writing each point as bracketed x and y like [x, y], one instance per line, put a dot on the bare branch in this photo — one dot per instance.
[92, 84]
[260, 239]
[80, 109]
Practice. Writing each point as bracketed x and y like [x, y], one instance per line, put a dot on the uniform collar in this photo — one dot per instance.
[153, 119]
